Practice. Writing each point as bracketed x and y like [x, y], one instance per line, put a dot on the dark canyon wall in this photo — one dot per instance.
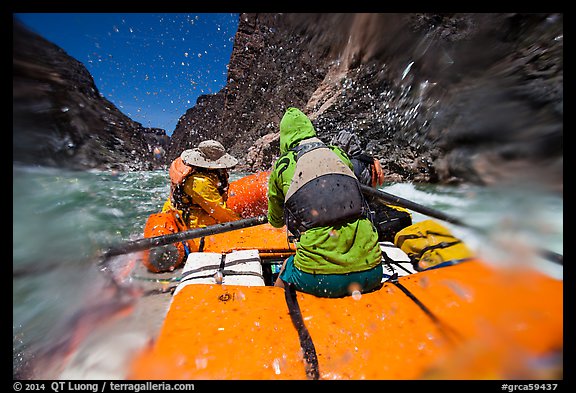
[437, 97]
[61, 120]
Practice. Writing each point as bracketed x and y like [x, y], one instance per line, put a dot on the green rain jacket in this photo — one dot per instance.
[352, 247]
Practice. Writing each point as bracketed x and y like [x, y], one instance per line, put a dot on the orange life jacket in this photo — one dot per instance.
[179, 171]
[377, 174]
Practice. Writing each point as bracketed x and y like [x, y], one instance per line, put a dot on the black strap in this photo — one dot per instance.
[401, 267]
[365, 158]
[220, 271]
[389, 263]
[307, 147]
[310, 358]
[221, 267]
[402, 238]
[444, 329]
[218, 267]
[435, 246]
[226, 273]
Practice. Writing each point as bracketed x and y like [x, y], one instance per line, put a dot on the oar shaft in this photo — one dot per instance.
[396, 200]
[552, 256]
[150, 242]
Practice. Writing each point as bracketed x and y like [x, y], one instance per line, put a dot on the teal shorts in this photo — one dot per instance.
[331, 285]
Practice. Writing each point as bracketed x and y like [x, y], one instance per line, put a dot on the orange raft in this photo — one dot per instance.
[465, 321]
[471, 320]
[248, 196]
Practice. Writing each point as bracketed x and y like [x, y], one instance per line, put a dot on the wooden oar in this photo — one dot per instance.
[398, 201]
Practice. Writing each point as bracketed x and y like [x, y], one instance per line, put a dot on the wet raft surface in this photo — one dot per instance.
[484, 323]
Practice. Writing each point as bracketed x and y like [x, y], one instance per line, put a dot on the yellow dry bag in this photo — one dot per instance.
[429, 243]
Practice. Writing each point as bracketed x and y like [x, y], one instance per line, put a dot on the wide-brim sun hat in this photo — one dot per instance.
[209, 154]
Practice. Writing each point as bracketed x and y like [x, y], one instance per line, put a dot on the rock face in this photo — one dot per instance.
[61, 120]
[437, 97]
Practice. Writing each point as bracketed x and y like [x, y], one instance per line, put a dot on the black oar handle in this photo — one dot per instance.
[396, 200]
[156, 241]
[552, 256]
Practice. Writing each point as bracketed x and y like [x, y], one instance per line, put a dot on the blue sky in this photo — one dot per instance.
[152, 66]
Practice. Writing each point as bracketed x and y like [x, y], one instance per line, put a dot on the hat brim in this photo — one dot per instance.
[195, 158]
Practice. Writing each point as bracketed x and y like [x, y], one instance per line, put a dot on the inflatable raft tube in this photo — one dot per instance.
[248, 196]
[465, 321]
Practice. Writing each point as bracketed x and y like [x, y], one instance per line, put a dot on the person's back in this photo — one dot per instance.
[198, 193]
[388, 219]
[201, 199]
[313, 190]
